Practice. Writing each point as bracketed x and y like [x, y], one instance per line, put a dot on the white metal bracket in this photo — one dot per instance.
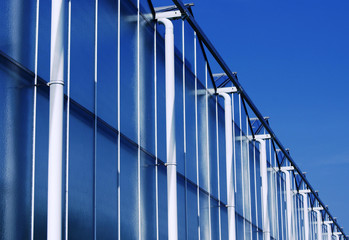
[304, 191]
[222, 90]
[260, 137]
[287, 168]
[318, 208]
[168, 14]
[328, 222]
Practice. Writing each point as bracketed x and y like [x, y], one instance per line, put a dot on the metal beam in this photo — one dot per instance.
[190, 19]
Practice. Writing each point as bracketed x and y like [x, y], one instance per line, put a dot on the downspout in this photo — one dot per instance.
[170, 130]
[54, 208]
[329, 230]
[264, 176]
[229, 165]
[304, 193]
[319, 222]
[288, 201]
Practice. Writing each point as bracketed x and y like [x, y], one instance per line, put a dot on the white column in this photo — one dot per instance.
[329, 231]
[288, 201]
[306, 212]
[170, 131]
[229, 166]
[319, 222]
[264, 177]
[54, 208]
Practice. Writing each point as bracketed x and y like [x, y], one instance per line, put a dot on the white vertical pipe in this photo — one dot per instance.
[54, 209]
[288, 204]
[319, 224]
[218, 176]
[264, 176]
[229, 166]
[170, 131]
[306, 214]
[329, 231]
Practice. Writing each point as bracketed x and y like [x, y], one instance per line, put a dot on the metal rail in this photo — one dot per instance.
[190, 19]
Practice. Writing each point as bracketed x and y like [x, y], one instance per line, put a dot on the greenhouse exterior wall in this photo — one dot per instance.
[115, 155]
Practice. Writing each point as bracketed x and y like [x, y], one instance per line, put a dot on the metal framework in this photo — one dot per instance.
[181, 10]
[188, 16]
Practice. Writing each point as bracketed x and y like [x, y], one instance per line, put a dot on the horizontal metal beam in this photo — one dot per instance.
[190, 19]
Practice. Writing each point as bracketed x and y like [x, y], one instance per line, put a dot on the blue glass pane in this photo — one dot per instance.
[148, 213]
[239, 191]
[200, 64]
[128, 71]
[204, 216]
[222, 155]
[147, 94]
[106, 184]
[236, 109]
[41, 166]
[189, 47]
[16, 96]
[253, 180]
[128, 190]
[163, 222]
[182, 208]
[239, 227]
[161, 97]
[192, 212]
[177, 33]
[44, 40]
[81, 175]
[107, 62]
[17, 23]
[82, 41]
[214, 219]
[179, 108]
[224, 222]
[190, 126]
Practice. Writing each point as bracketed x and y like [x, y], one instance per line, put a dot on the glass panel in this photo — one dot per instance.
[147, 201]
[162, 181]
[16, 119]
[107, 61]
[147, 94]
[128, 72]
[106, 184]
[214, 219]
[192, 212]
[41, 166]
[204, 216]
[82, 41]
[128, 190]
[81, 177]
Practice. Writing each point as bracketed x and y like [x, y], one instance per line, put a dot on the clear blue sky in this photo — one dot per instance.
[292, 57]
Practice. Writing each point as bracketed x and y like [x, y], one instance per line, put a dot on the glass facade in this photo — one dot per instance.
[114, 138]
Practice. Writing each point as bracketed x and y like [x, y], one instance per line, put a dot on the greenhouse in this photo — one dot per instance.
[121, 120]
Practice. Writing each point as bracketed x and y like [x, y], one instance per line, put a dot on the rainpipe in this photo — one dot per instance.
[319, 222]
[264, 176]
[54, 202]
[288, 201]
[170, 130]
[304, 193]
[229, 165]
[329, 230]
